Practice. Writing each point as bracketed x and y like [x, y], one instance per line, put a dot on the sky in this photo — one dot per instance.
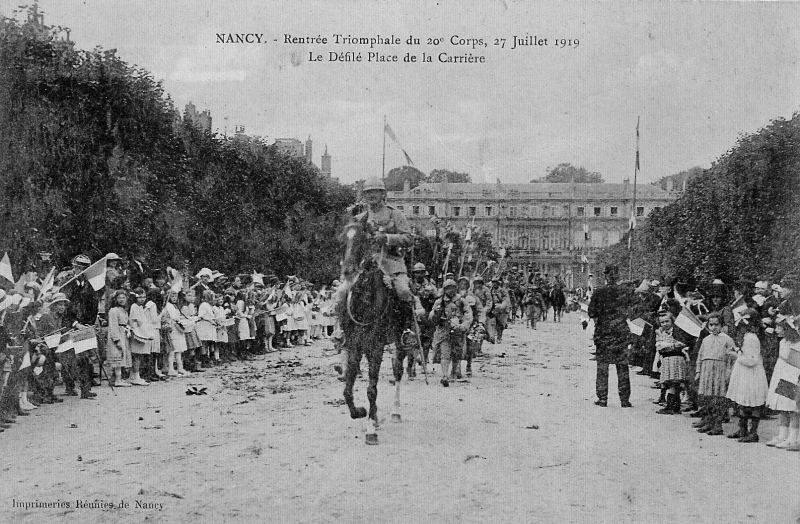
[697, 75]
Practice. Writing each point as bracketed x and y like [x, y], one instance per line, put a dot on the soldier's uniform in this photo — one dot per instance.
[609, 309]
[452, 317]
[393, 224]
[499, 310]
[426, 293]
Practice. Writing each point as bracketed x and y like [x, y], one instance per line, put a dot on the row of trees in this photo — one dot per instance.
[95, 158]
[564, 172]
[738, 219]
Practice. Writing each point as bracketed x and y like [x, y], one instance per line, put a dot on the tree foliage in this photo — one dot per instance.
[738, 219]
[95, 158]
[438, 175]
[566, 172]
[397, 176]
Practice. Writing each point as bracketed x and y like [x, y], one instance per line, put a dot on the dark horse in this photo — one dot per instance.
[558, 299]
[368, 313]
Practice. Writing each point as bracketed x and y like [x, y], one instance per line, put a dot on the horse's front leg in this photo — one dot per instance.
[375, 356]
[353, 362]
[400, 354]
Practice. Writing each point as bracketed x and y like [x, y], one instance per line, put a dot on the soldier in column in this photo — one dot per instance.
[609, 310]
[500, 307]
[452, 317]
[426, 292]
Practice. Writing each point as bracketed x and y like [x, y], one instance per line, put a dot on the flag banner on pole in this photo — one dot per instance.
[96, 274]
[390, 134]
[84, 339]
[26, 361]
[688, 322]
[65, 345]
[5, 269]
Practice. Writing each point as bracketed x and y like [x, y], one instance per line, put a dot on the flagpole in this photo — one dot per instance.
[383, 168]
[633, 209]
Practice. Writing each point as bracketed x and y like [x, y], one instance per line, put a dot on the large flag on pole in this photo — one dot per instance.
[96, 274]
[390, 134]
[5, 269]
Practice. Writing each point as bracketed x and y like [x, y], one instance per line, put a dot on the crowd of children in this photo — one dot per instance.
[133, 330]
[743, 358]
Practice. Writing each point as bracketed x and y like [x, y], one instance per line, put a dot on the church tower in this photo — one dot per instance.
[326, 163]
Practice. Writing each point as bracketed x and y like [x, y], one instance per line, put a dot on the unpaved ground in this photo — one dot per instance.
[522, 442]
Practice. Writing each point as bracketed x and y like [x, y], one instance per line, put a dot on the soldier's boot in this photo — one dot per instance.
[716, 428]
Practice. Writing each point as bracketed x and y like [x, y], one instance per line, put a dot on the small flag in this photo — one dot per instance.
[96, 274]
[66, 345]
[584, 259]
[47, 285]
[53, 340]
[688, 322]
[84, 339]
[5, 269]
[637, 326]
[786, 389]
[26, 361]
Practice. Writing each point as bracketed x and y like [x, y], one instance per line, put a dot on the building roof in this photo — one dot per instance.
[541, 190]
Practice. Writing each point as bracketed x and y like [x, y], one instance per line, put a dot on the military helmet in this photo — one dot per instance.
[374, 184]
[419, 266]
[82, 260]
[448, 283]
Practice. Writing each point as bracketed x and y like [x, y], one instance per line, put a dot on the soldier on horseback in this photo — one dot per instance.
[392, 234]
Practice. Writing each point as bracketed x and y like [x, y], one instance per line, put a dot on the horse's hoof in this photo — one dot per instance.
[359, 413]
[371, 439]
[396, 417]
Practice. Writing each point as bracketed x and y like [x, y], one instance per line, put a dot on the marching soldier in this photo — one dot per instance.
[609, 309]
[426, 292]
[499, 310]
[452, 316]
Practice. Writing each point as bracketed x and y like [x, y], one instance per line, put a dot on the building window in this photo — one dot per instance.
[431, 210]
[488, 211]
[545, 211]
[512, 211]
[640, 211]
[399, 208]
[472, 211]
[614, 210]
[456, 211]
[581, 211]
[597, 211]
[415, 210]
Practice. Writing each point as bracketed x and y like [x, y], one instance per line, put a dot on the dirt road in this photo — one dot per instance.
[271, 442]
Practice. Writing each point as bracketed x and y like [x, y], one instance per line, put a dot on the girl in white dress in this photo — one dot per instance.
[782, 396]
[748, 383]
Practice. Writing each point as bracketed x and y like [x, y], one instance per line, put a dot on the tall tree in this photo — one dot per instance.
[396, 178]
[438, 175]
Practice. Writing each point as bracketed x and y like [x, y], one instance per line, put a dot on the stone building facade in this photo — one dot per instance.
[556, 228]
